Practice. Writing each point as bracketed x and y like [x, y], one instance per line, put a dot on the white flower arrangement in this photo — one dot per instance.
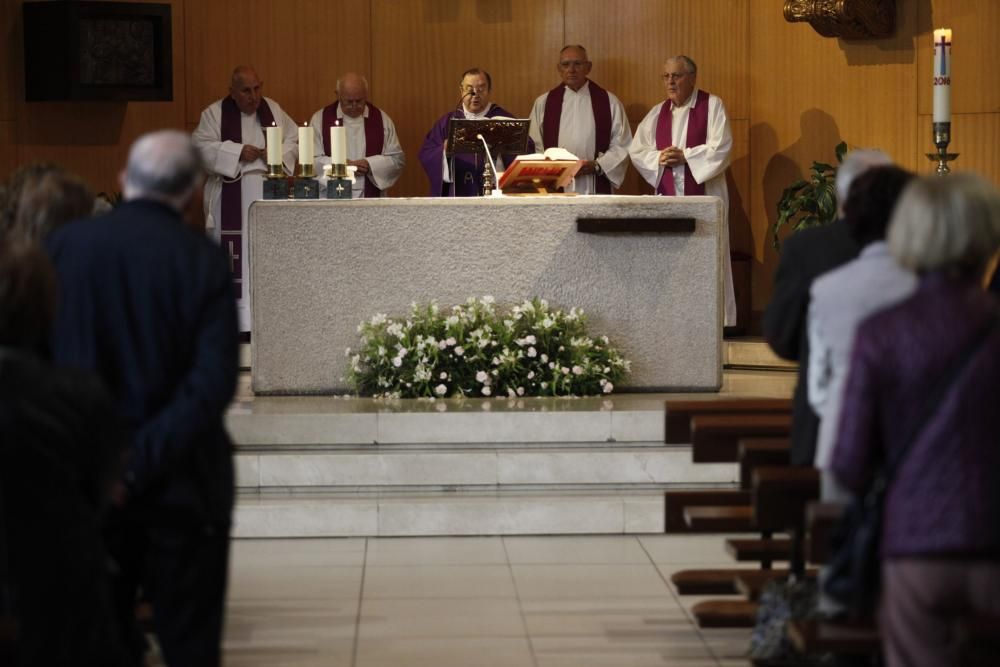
[477, 350]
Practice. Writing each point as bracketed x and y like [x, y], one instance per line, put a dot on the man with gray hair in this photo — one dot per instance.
[147, 302]
[372, 144]
[805, 256]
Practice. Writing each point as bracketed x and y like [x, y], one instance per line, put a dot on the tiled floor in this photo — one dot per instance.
[472, 601]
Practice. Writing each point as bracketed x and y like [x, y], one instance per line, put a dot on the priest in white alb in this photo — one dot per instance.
[231, 139]
[683, 147]
[588, 121]
[372, 144]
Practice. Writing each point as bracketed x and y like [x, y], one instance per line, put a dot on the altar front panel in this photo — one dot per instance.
[320, 268]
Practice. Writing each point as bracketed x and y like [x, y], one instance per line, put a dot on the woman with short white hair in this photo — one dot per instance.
[921, 399]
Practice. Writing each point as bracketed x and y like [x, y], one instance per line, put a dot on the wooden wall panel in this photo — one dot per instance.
[8, 148]
[808, 94]
[975, 77]
[298, 47]
[976, 139]
[423, 48]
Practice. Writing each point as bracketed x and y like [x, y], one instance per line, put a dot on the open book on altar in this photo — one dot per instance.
[540, 173]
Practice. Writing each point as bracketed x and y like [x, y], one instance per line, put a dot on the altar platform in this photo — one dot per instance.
[326, 466]
[646, 270]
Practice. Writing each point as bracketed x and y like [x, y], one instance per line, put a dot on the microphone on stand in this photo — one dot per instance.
[488, 178]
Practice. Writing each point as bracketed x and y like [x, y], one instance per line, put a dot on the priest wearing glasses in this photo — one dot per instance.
[683, 147]
[476, 89]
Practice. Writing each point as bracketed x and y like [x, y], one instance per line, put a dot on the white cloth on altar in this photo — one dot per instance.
[708, 164]
[578, 135]
[222, 162]
[384, 169]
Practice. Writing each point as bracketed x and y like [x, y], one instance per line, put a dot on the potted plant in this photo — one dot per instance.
[810, 203]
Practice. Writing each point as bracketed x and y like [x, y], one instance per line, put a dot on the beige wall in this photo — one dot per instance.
[791, 94]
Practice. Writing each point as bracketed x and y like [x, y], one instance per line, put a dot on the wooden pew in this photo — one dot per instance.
[715, 438]
[677, 428]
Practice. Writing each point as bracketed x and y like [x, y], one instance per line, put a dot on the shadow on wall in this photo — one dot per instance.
[913, 18]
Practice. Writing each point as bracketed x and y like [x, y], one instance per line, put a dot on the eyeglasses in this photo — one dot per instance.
[352, 103]
[474, 89]
[566, 64]
[675, 76]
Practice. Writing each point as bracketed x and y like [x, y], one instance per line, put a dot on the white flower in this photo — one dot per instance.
[607, 369]
[441, 390]
[565, 371]
[603, 382]
[577, 370]
[496, 361]
[486, 390]
[544, 358]
[442, 344]
[544, 385]
[450, 340]
[520, 391]
[547, 323]
[482, 376]
[604, 338]
[486, 300]
[377, 319]
[494, 372]
[459, 351]
[531, 374]
[381, 351]
[552, 364]
[530, 340]
[532, 352]
[443, 376]
[397, 362]
[511, 393]
[562, 348]
[545, 304]
[347, 352]
[452, 321]
[608, 388]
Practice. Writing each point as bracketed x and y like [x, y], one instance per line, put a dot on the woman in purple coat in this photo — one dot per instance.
[941, 530]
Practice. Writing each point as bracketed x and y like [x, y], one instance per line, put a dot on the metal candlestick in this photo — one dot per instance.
[942, 137]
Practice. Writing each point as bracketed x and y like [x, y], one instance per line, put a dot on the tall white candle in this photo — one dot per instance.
[306, 155]
[274, 145]
[942, 75]
[338, 144]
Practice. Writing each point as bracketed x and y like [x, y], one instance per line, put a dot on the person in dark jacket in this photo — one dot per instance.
[805, 256]
[60, 446]
[147, 302]
[941, 525]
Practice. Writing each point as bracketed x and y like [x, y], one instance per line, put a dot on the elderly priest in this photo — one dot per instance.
[467, 180]
[230, 137]
[372, 144]
[586, 120]
[682, 147]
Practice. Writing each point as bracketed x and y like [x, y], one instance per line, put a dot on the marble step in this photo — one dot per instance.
[514, 512]
[476, 467]
[753, 353]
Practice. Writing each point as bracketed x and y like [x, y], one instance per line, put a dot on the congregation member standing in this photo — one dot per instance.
[476, 89]
[230, 136]
[921, 398]
[372, 144]
[147, 302]
[683, 147]
[804, 256]
[588, 121]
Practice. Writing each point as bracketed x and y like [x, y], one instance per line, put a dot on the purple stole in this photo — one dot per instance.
[601, 105]
[374, 137]
[231, 224]
[697, 135]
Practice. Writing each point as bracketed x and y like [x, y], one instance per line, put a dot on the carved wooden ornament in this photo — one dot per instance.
[850, 19]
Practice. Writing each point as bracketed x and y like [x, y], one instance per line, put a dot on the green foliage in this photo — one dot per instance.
[477, 350]
[809, 203]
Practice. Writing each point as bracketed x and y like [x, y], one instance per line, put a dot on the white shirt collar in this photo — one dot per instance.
[341, 114]
[476, 116]
[584, 89]
[689, 102]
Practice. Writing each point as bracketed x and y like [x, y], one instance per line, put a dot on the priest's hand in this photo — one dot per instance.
[672, 157]
[251, 153]
[587, 167]
[362, 165]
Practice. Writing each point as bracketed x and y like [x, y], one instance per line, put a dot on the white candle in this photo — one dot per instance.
[942, 75]
[338, 144]
[305, 146]
[274, 145]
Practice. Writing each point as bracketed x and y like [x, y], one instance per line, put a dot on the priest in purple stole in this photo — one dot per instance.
[372, 144]
[467, 180]
[230, 137]
[588, 121]
[683, 146]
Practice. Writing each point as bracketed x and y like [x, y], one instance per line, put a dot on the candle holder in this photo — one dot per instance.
[275, 183]
[306, 186]
[339, 186]
[942, 137]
